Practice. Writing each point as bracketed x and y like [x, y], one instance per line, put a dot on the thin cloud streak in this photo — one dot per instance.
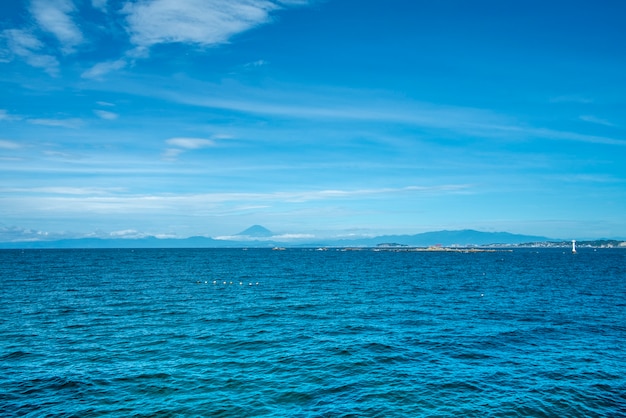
[198, 203]
[104, 114]
[54, 16]
[596, 120]
[10, 145]
[74, 191]
[100, 5]
[469, 121]
[26, 46]
[4, 115]
[185, 144]
[191, 143]
[72, 123]
[101, 69]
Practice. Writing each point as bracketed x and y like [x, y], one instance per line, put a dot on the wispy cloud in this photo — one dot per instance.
[296, 2]
[201, 22]
[368, 193]
[180, 145]
[572, 136]
[127, 234]
[103, 68]
[256, 64]
[26, 46]
[71, 191]
[356, 106]
[104, 114]
[81, 200]
[596, 120]
[4, 144]
[17, 234]
[54, 16]
[191, 143]
[4, 115]
[99, 4]
[60, 123]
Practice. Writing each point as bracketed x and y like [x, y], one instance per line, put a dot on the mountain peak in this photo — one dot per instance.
[256, 231]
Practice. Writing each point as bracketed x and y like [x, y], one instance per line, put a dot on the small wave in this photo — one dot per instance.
[16, 355]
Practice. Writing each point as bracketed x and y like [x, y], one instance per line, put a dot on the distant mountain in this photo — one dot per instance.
[469, 237]
[466, 237]
[256, 231]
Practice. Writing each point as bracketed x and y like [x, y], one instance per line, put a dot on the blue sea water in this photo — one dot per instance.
[304, 333]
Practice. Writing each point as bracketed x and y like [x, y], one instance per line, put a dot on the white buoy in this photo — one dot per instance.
[574, 246]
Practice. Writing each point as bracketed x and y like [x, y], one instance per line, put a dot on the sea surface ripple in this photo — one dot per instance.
[304, 333]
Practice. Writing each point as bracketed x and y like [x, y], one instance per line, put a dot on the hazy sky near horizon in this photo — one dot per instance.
[330, 117]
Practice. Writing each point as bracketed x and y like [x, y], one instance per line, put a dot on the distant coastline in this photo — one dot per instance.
[459, 241]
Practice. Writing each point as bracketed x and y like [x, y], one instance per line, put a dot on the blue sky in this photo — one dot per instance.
[313, 118]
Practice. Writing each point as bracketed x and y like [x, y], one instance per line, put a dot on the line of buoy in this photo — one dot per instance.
[228, 283]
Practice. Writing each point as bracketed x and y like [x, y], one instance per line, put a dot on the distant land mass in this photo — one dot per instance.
[465, 237]
[256, 231]
[258, 236]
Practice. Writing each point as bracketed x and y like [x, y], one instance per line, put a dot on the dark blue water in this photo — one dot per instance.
[92, 333]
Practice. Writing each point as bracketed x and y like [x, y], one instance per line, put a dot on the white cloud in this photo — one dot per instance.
[572, 136]
[185, 144]
[128, 234]
[201, 22]
[68, 201]
[61, 123]
[54, 16]
[191, 143]
[596, 120]
[359, 193]
[17, 234]
[100, 5]
[61, 155]
[102, 68]
[4, 115]
[48, 62]
[22, 42]
[148, 23]
[463, 120]
[65, 190]
[172, 153]
[294, 2]
[26, 46]
[4, 144]
[256, 64]
[103, 114]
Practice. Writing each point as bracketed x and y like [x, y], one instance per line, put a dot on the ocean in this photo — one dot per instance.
[306, 333]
